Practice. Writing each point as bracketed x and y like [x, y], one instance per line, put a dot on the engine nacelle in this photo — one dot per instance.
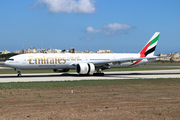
[85, 68]
[60, 70]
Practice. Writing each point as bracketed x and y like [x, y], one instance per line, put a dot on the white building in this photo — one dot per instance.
[104, 51]
[4, 52]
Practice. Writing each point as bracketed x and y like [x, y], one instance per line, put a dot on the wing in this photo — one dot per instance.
[131, 59]
[123, 60]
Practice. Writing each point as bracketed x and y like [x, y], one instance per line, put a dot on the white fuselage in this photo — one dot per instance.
[68, 60]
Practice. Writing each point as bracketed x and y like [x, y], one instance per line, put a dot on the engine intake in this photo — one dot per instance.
[85, 68]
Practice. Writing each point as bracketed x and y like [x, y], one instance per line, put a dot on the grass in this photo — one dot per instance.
[140, 68]
[86, 83]
[164, 63]
[101, 97]
[12, 71]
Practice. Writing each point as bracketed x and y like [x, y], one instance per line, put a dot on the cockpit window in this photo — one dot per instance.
[10, 59]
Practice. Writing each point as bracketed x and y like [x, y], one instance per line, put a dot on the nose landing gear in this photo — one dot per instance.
[19, 72]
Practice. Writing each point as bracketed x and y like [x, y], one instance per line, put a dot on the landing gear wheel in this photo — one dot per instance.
[19, 75]
[98, 74]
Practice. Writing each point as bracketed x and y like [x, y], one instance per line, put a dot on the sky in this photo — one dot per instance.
[123, 26]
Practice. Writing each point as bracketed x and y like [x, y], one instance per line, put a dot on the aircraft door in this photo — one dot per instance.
[24, 60]
[85, 58]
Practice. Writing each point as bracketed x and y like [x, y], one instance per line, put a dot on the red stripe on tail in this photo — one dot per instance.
[144, 50]
[142, 54]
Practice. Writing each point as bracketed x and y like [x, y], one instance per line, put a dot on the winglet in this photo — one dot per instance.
[150, 47]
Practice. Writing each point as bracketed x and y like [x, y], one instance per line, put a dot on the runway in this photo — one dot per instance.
[75, 76]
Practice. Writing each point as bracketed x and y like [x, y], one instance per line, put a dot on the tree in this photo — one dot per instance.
[6, 56]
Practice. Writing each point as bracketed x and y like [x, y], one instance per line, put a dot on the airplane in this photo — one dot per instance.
[84, 63]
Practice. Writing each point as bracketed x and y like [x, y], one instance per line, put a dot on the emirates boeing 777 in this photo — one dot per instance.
[84, 63]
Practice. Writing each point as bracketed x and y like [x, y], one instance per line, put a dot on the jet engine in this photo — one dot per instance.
[60, 70]
[85, 68]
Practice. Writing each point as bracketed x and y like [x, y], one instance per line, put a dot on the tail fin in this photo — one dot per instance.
[150, 47]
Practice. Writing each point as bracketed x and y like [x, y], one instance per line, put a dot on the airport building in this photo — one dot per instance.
[4, 52]
[104, 51]
[170, 56]
[85, 51]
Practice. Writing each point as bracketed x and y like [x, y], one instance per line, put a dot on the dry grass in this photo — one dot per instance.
[138, 99]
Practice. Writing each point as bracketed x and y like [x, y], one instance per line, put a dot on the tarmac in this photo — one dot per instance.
[74, 76]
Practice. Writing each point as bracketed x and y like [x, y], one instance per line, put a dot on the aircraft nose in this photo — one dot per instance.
[6, 63]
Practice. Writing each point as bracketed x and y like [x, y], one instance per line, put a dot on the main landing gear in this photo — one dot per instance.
[19, 72]
[98, 73]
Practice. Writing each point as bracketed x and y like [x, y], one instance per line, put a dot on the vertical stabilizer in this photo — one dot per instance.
[150, 47]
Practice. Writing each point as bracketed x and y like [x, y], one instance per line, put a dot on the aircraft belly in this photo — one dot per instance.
[42, 66]
[120, 65]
